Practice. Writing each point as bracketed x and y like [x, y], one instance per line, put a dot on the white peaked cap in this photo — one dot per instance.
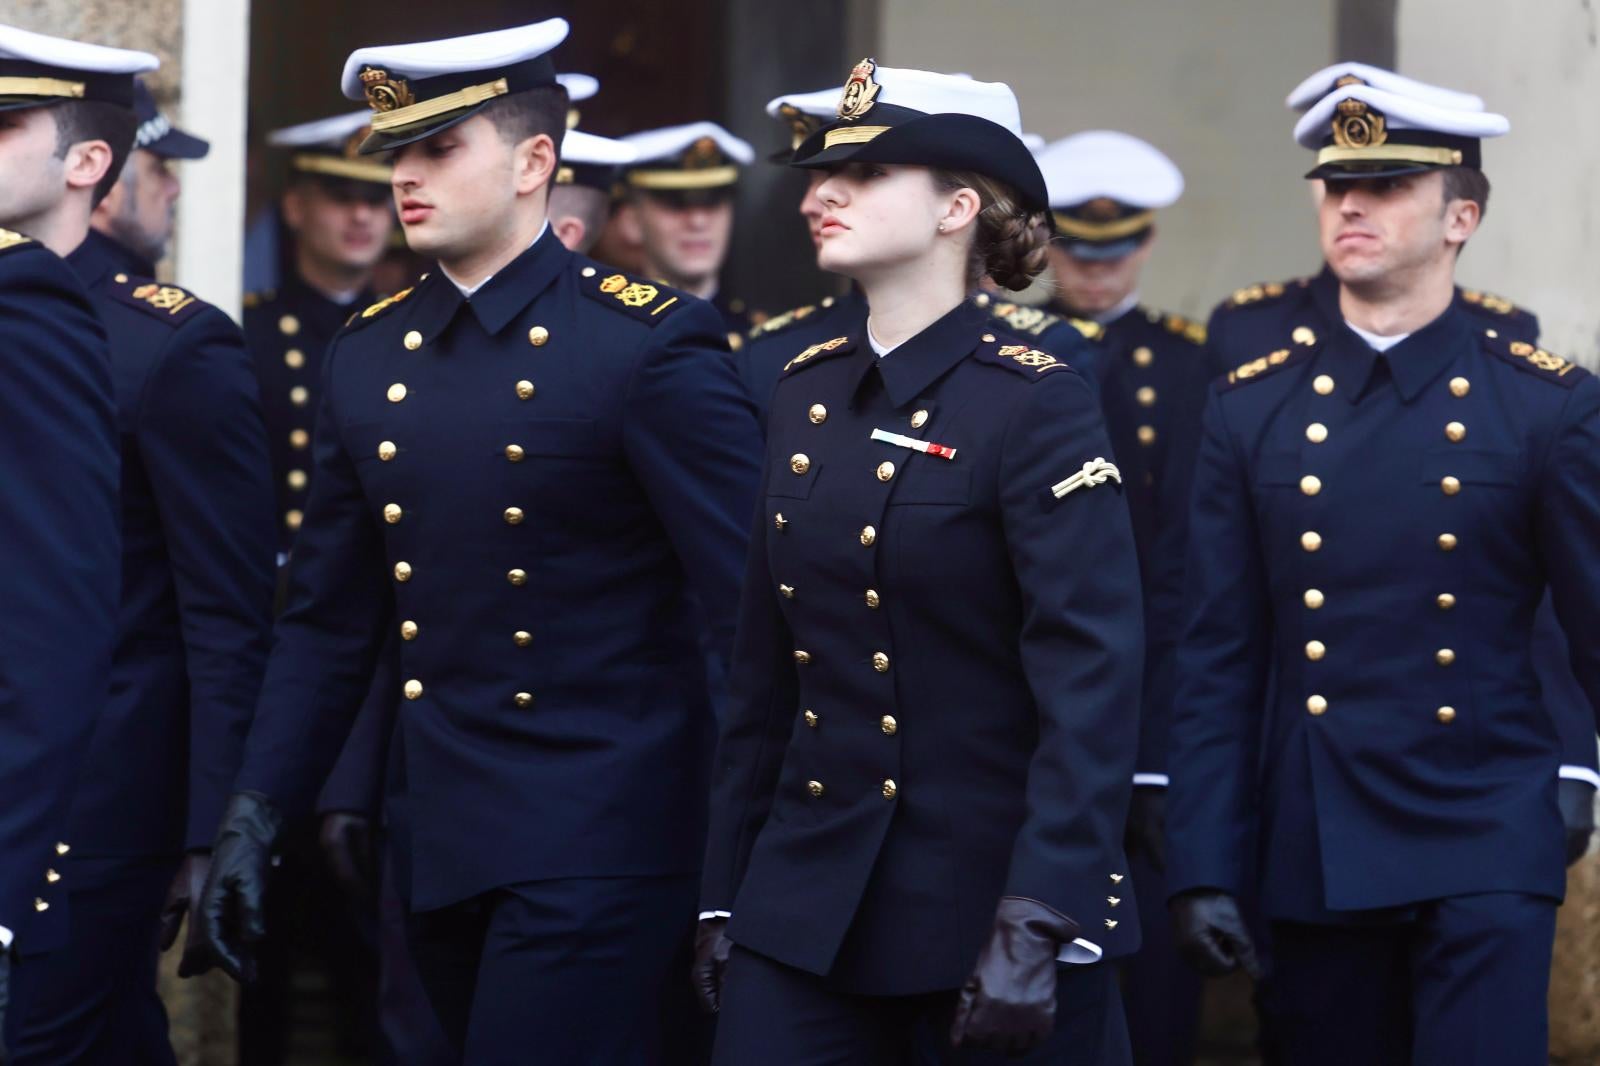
[1109, 164]
[323, 131]
[72, 55]
[580, 147]
[454, 55]
[949, 94]
[823, 103]
[665, 143]
[579, 86]
[1326, 80]
[1400, 113]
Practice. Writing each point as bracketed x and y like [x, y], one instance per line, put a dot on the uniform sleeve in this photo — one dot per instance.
[60, 535]
[205, 448]
[1569, 515]
[1221, 673]
[691, 438]
[356, 783]
[1081, 645]
[326, 643]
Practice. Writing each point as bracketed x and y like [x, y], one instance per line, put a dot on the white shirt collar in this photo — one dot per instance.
[877, 345]
[1128, 304]
[1377, 340]
[468, 290]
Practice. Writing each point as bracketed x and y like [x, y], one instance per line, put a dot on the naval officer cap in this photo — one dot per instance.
[1363, 132]
[416, 90]
[157, 135]
[331, 148]
[696, 162]
[579, 87]
[804, 114]
[593, 162]
[37, 70]
[1340, 75]
[922, 118]
[1105, 188]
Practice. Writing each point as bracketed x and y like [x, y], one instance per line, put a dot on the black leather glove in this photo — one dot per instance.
[1577, 814]
[711, 949]
[347, 845]
[1147, 825]
[231, 917]
[1009, 1002]
[183, 901]
[1211, 934]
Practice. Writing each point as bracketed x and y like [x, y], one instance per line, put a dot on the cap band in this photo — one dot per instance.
[337, 167]
[851, 135]
[1392, 153]
[1102, 231]
[695, 178]
[471, 96]
[42, 87]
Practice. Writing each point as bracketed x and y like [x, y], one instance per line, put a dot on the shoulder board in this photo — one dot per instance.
[1019, 358]
[253, 300]
[1490, 302]
[1272, 362]
[816, 353]
[1536, 361]
[10, 239]
[377, 309]
[1263, 293]
[646, 301]
[166, 302]
[1189, 330]
[779, 323]
[1019, 318]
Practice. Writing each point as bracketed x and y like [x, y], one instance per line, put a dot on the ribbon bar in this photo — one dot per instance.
[1095, 472]
[926, 447]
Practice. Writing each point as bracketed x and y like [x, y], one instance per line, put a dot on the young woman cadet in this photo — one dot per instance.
[924, 772]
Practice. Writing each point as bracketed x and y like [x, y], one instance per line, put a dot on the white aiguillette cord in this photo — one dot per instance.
[926, 447]
[1095, 472]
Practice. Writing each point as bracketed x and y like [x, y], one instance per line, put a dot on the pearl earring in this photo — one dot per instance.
[941, 227]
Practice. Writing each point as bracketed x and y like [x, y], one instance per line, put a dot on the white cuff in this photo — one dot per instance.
[1155, 780]
[1080, 952]
[715, 914]
[5, 938]
[1580, 773]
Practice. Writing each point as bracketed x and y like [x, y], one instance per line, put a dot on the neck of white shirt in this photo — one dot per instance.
[1377, 341]
[468, 290]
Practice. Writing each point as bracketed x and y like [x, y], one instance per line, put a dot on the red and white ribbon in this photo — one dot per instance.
[926, 447]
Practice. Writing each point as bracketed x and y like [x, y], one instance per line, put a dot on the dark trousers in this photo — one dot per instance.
[773, 1015]
[94, 1000]
[1463, 982]
[591, 970]
[1162, 992]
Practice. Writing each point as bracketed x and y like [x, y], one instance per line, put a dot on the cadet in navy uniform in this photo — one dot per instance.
[191, 638]
[1377, 511]
[924, 769]
[678, 209]
[523, 466]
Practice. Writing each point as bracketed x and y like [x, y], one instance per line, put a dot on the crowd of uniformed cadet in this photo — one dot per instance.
[1363, 755]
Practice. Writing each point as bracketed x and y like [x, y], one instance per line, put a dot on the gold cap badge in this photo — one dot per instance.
[859, 91]
[1357, 126]
[385, 93]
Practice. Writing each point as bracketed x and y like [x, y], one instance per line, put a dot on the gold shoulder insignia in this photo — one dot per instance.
[166, 302]
[1256, 368]
[814, 351]
[780, 322]
[639, 299]
[1022, 319]
[1263, 291]
[1032, 358]
[1488, 301]
[1089, 328]
[1193, 332]
[387, 302]
[11, 239]
[1535, 360]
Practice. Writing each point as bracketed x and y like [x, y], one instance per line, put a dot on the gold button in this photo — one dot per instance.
[294, 358]
[538, 336]
[40, 905]
[1143, 357]
[523, 699]
[292, 519]
[799, 462]
[1323, 385]
[919, 419]
[1316, 433]
[62, 849]
[885, 471]
[397, 392]
[1116, 879]
[880, 662]
[872, 599]
[517, 577]
[522, 638]
[408, 630]
[402, 571]
[1314, 599]
[1146, 396]
[1444, 656]
[587, 272]
[122, 279]
[1303, 335]
[786, 591]
[51, 877]
[413, 689]
[296, 480]
[299, 439]
[812, 719]
[413, 340]
[1147, 435]
[1310, 484]
[868, 535]
[288, 325]
[827, 301]
[513, 516]
[1491, 333]
[387, 450]
[514, 452]
[982, 299]
[1445, 601]
[1447, 542]
[1311, 540]
[1317, 705]
[815, 788]
[889, 726]
[1450, 485]
[392, 513]
[780, 521]
[525, 390]
[299, 395]
[802, 657]
[987, 338]
[890, 790]
[818, 414]
[1455, 432]
[1315, 650]
[1460, 386]
[1446, 714]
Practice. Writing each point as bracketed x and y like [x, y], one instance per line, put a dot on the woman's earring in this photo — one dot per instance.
[941, 227]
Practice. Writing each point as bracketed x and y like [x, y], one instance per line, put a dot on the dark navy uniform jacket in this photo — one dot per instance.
[525, 486]
[288, 331]
[60, 536]
[1255, 319]
[1373, 533]
[197, 567]
[936, 682]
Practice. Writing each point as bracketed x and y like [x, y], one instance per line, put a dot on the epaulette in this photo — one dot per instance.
[1304, 343]
[816, 353]
[379, 308]
[779, 323]
[253, 300]
[167, 302]
[10, 239]
[1265, 292]
[1029, 362]
[1019, 318]
[1534, 360]
[647, 302]
[735, 340]
[1190, 330]
[1490, 302]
